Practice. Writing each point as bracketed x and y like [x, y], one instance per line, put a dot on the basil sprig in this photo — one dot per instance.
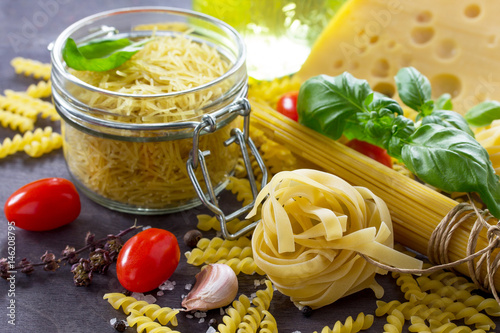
[440, 149]
[483, 113]
[100, 55]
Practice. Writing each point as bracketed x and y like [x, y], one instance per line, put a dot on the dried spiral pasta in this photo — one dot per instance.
[42, 89]
[234, 315]
[250, 323]
[45, 145]
[313, 226]
[410, 287]
[246, 266]
[362, 322]
[418, 324]
[16, 121]
[447, 298]
[207, 222]
[268, 323]
[212, 254]
[30, 67]
[488, 305]
[164, 315]
[22, 101]
[395, 322]
[241, 188]
[17, 107]
[271, 91]
[146, 324]
[255, 315]
[18, 142]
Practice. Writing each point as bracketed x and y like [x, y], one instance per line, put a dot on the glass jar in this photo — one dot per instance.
[150, 164]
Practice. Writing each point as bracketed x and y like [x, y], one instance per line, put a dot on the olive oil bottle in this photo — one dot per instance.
[278, 33]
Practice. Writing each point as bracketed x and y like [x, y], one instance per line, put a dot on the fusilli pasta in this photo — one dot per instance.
[22, 101]
[164, 315]
[395, 322]
[234, 315]
[146, 324]
[31, 67]
[268, 323]
[44, 146]
[211, 251]
[18, 142]
[16, 121]
[245, 266]
[207, 222]
[42, 89]
[444, 298]
[255, 316]
[362, 322]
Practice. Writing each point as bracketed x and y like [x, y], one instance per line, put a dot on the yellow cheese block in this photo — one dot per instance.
[455, 43]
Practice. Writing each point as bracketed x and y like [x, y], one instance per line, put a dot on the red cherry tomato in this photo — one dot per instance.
[147, 260]
[287, 105]
[44, 204]
[372, 151]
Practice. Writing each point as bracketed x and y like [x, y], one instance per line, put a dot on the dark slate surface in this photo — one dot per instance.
[49, 302]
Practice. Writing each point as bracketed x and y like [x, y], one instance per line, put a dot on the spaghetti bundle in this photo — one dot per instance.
[415, 208]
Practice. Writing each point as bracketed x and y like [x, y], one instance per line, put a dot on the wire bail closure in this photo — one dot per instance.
[197, 158]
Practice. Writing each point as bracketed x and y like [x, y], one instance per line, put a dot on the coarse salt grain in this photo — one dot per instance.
[188, 286]
[146, 227]
[200, 314]
[112, 321]
[167, 285]
[188, 316]
[201, 320]
[256, 283]
[221, 311]
[160, 293]
[150, 299]
[141, 297]
[211, 330]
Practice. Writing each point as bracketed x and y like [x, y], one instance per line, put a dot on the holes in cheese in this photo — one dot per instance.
[381, 68]
[424, 16]
[457, 42]
[447, 48]
[422, 35]
[446, 83]
[472, 11]
[385, 88]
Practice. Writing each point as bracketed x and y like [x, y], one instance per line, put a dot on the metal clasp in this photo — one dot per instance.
[197, 158]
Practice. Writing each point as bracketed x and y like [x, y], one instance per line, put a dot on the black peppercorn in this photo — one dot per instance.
[307, 311]
[120, 325]
[192, 237]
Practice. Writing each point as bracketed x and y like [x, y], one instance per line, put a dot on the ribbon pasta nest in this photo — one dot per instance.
[313, 226]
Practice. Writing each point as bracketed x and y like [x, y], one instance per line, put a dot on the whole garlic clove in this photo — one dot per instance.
[216, 286]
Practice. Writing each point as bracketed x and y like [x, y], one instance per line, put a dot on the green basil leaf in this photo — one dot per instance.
[483, 113]
[103, 47]
[443, 102]
[453, 161]
[326, 103]
[402, 129]
[414, 89]
[378, 102]
[448, 119]
[75, 59]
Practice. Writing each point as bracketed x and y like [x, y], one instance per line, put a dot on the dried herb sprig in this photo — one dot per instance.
[102, 253]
